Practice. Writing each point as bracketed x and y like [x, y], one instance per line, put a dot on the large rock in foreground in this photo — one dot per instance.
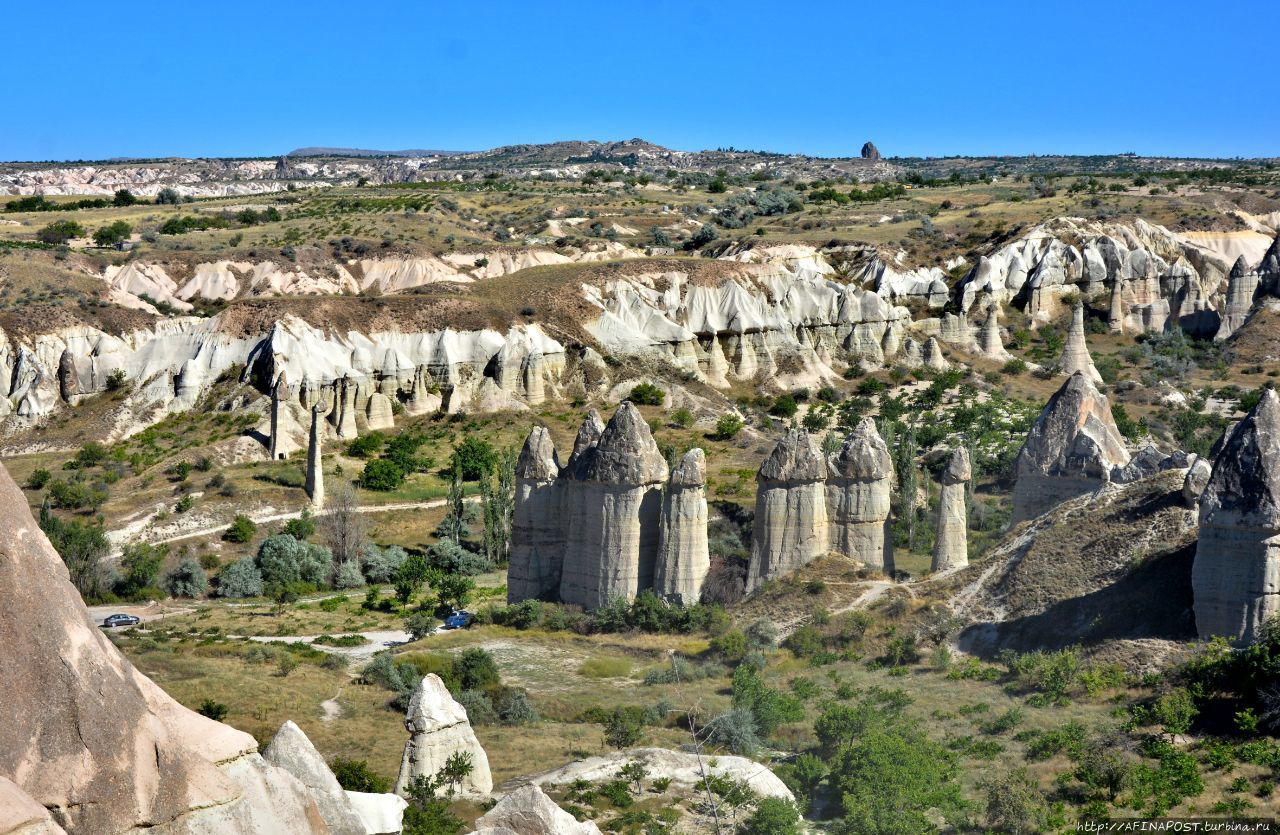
[292, 751]
[98, 744]
[1236, 576]
[528, 811]
[1071, 450]
[438, 728]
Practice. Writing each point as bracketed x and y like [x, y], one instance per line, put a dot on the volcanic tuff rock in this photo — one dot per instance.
[869, 151]
[933, 359]
[537, 536]
[1236, 575]
[685, 769]
[613, 514]
[290, 750]
[790, 528]
[20, 815]
[1075, 353]
[1072, 449]
[683, 555]
[314, 484]
[858, 489]
[99, 744]
[950, 547]
[438, 727]
[528, 811]
[1242, 287]
[1195, 482]
[991, 342]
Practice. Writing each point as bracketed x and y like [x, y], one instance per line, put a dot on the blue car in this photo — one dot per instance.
[458, 620]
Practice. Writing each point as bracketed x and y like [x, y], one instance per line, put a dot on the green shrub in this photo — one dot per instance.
[647, 394]
[356, 776]
[241, 530]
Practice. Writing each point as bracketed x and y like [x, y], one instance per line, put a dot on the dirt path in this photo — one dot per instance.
[332, 710]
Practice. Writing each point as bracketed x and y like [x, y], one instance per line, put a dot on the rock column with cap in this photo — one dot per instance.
[951, 545]
[1235, 578]
[1075, 354]
[790, 528]
[315, 465]
[438, 728]
[992, 342]
[537, 537]
[683, 555]
[859, 493]
[1242, 287]
[616, 514]
[279, 396]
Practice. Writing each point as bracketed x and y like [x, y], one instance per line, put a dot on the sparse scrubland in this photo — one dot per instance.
[886, 704]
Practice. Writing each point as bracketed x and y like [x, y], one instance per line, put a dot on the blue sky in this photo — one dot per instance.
[926, 78]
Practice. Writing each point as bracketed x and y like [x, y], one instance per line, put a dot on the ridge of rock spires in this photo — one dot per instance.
[614, 516]
[314, 485]
[791, 509]
[279, 395]
[683, 554]
[537, 542]
[991, 341]
[528, 811]
[1242, 288]
[290, 750]
[951, 545]
[1075, 354]
[933, 359]
[1270, 264]
[96, 743]
[1072, 449]
[421, 399]
[1236, 573]
[343, 416]
[438, 728]
[1115, 312]
[858, 492]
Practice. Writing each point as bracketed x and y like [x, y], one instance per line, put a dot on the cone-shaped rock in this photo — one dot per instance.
[1071, 450]
[614, 513]
[378, 412]
[933, 359]
[859, 490]
[991, 341]
[683, 555]
[1075, 354]
[951, 545]
[424, 396]
[89, 738]
[790, 528]
[1242, 287]
[438, 728]
[537, 540]
[290, 750]
[314, 484]
[528, 811]
[1236, 574]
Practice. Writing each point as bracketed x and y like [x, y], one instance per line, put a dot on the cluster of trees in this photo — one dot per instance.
[40, 203]
[396, 459]
[61, 231]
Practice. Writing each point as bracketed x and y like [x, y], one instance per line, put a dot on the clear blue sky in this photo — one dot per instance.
[94, 79]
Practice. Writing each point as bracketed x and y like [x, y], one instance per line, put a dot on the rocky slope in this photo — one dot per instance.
[98, 744]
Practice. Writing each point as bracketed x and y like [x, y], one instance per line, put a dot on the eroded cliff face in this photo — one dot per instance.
[97, 743]
[1236, 574]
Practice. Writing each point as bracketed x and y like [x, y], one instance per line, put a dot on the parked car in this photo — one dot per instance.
[121, 620]
[458, 620]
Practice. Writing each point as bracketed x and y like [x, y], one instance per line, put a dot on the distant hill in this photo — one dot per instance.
[365, 152]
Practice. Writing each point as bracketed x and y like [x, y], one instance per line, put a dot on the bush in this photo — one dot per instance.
[112, 233]
[476, 670]
[623, 729]
[186, 579]
[475, 457]
[356, 776]
[241, 530]
[514, 708]
[38, 479]
[379, 565]
[420, 624]
[382, 475]
[682, 417]
[284, 561]
[736, 731]
[451, 558]
[784, 406]
[240, 579]
[728, 426]
[478, 706]
[216, 711]
[647, 394]
[60, 231]
[773, 816]
[348, 576]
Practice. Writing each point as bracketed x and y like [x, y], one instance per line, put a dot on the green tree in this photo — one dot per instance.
[82, 547]
[112, 233]
[356, 776]
[186, 579]
[891, 779]
[141, 564]
[1013, 803]
[420, 624]
[60, 231]
[124, 197]
[456, 769]
[410, 576]
[647, 394]
[168, 196]
[476, 669]
[622, 729]
[473, 458]
[241, 530]
[728, 426]
[381, 474]
[772, 816]
[1175, 710]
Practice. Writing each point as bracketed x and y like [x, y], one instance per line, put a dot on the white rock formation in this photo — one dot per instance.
[991, 341]
[1195, 482]
[537, 525]
[1236, 574]
[378, 412]
[96, 743]
[684, 768]
[683, 555]
[933, 358]
[1115, 310]
[858, 489]
[438, 728]
[279, 399]
[381, 814]
[291, 751]
[790, 528]
[951, 543]
[1242, 287]
[614, 513]
[1075, 353]
[528, 811]
[314, 484]
[1072, 449]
